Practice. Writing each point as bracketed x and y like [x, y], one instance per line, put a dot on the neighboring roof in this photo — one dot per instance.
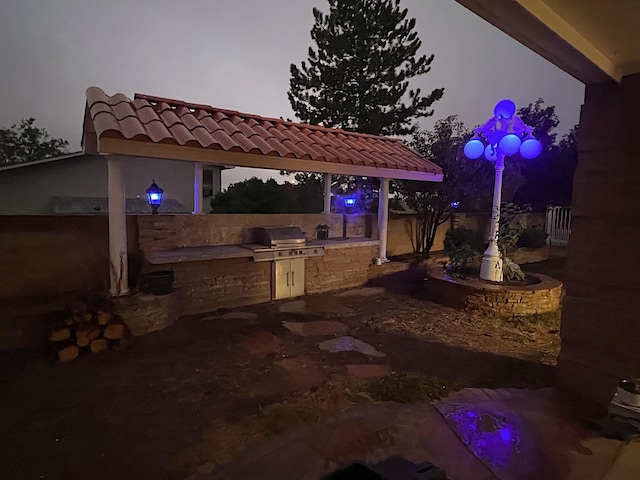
[155, 126]
[44, 160]
[100, 205]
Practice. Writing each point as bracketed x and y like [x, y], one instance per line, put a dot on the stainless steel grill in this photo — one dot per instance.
[281, 243]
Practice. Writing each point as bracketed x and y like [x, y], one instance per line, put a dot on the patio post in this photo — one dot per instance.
[383, 218]
[118, 265]
[327, 192]
[197, 188]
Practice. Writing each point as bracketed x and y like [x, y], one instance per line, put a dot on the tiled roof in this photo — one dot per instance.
[174, 122]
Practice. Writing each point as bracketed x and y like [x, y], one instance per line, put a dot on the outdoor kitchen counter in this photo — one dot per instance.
[194, 254]
[340, 242]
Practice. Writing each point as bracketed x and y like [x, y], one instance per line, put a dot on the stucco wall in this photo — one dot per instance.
[28, 190]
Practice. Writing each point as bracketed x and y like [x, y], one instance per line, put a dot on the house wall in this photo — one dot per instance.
[600, 327]
[28, 190]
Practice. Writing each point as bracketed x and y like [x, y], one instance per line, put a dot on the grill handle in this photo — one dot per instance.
[293, 281]
[287, 279]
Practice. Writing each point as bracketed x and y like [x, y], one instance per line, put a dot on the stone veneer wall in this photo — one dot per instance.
[600, 323]
[339, 268]
[206, 286]
[144, 313]
[165, 232]
[510, 302]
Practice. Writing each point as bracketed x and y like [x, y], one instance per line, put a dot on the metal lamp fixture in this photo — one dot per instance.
[502, 135]
[154, 197]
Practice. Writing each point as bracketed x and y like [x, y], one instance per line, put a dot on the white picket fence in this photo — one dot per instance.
[558, 226]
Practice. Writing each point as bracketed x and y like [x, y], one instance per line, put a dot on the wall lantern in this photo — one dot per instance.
[154, 197]
[349, 202]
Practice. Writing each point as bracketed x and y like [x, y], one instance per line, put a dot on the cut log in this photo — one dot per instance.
[60, 334]
[68, 353]
[104, 317]
[69, 321]
[99, 345]
[87, 317]
[82, 341]
[114, 331]
[93, 334]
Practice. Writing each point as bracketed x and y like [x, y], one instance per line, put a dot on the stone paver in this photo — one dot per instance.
[317, 328]
[316, 304]
[368, 371]
[362, 292]
[262, 343]
[303, 371]
[350, 344]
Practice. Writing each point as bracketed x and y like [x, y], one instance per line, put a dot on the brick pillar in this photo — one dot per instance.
[600, 321]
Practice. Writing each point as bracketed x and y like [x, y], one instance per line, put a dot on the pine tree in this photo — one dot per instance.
[358, 77]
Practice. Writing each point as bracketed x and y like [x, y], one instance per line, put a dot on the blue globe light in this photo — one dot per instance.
[491, 153]
[530, 148]
[474, 148]
[504, 109]
[510, 144]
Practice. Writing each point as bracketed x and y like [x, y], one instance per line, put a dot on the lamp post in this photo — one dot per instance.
[154, 197]
[502, 135]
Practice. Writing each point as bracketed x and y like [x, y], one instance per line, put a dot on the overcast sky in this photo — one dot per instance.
[236, 54]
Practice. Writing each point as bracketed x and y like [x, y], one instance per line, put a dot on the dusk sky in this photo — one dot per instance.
[236, 54]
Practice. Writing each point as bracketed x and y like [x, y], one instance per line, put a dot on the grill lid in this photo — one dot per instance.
[279, 236]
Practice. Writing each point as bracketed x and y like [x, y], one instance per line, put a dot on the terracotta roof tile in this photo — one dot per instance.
[162, 120]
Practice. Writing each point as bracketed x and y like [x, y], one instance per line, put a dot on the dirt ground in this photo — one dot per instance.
[204, 389]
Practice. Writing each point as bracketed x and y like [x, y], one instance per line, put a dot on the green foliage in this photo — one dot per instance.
[532, 238]
[409, 387]
[460, 245]
[26, 143]
[464, 181]
[512, 221]
[255, 196]
[511, 270]
[357, 77]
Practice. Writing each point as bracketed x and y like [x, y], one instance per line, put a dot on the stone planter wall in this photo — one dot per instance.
[499, 300]
[145, 313]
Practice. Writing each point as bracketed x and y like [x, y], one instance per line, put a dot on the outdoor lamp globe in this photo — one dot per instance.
[509, 144]
[474, 148]
[491, 153]
[504, 109]
[530, 148]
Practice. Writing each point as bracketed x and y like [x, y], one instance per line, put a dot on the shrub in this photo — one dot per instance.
[461, 244]
[532, 238]
[511, 270]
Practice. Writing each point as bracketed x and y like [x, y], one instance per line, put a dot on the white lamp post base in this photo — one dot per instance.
[491, 268]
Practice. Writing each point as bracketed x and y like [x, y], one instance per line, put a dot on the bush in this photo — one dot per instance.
[532, 238]
[462, 244]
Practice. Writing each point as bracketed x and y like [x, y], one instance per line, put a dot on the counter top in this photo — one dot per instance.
[220, 252]
[194, 254]
[341, 242]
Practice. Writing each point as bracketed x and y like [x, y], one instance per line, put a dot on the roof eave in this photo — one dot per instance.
[119, 146]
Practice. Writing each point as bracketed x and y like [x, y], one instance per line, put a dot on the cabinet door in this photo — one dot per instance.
[282, 279]
[297, 277]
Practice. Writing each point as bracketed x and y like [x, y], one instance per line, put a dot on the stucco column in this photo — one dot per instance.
[118, 265]
[327, 192]
[197, 188]
[383, 218]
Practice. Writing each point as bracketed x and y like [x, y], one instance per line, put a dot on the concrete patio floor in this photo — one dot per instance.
[547, 442]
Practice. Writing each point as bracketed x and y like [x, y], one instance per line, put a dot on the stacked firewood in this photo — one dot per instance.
[89, 327]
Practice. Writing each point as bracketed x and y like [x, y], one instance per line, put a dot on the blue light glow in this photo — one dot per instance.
[154, 196]
[349, 202]
[491, 436]
[510, 144]
[530, 148]
[455, 204]
[474, 148]
[491, 153]
[504, 109]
